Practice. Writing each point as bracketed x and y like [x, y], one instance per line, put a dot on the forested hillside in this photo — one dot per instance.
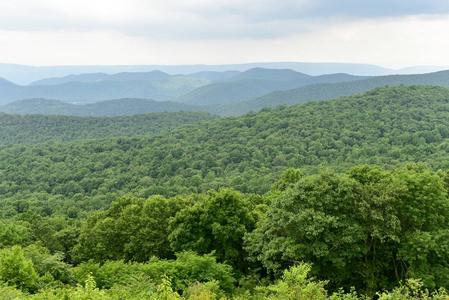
[328, 90]
[119, 107]
[341, 199]
[225, 94]
[386, 126]
[31, 129]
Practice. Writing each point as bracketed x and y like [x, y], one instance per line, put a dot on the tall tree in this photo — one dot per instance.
[369, 229]
[217, 223]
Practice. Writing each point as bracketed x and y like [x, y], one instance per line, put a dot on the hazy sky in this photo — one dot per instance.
[393, 33]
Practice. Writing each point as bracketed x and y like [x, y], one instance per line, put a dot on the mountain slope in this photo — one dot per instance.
[254, 83]
[96, 77]
[21, 74]
[389, 127]
[119, 87]
[215, 76]
[232, 91]
[326, 91]
[89, 77]
[271, 74]
[28, 129]
[119, 107]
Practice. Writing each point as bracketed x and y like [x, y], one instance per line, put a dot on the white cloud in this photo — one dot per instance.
[41, 32]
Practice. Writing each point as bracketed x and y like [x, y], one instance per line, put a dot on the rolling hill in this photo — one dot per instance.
[253, 83]
[119, 107]
[215, 76]
[326, 91]
[123, 85]
[271, 74]
[30, 129]
[23, 75]
[97, 77]
[389, 127]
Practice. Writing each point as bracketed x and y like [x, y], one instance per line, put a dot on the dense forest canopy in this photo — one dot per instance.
[387, 126]
[118, 107]
[337, 199]
[31, 129]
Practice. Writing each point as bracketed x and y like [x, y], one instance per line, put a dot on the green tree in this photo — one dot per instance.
[369, 233]
[215, 224]
[133, 229]
[17, 270]
[295, 285]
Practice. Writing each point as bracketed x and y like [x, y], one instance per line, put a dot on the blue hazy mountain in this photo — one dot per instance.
[89, 88]
[24, 75]
[324, 91]
[254, 83]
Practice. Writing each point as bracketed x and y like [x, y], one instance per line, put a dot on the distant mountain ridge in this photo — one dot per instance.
[22, 74]
[325, 91]
[229, 87]
[214, 76]
[97, 87]
[96, 77]
[255, 82]
[232, 93]
[271, 74]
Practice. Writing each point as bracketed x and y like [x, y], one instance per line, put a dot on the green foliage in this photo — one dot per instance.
[87, 291]
[187, 269]
[13, 234]
[49, 265]
[138, 286]
[17, 270]
[215, 224]
[289, 178]
[133, 229]
[295, 285]
[411, 290]
[11, 293]
[203, 291]
[388, 127]
[369, 234]
[117, 201]
[190, 267]
[38, 128]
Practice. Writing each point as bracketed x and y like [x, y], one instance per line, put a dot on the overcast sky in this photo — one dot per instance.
[389, 33]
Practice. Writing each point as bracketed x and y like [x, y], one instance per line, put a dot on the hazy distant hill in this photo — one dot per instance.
[6, 85]
[118, 107]
[96, 77]
[233, 91]
[215, 76]
[22, 74]
[326, 91]
[235, 94]
[234, 86]
[271, 74]
[254, 83]
[90, 77]
[123, 85]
